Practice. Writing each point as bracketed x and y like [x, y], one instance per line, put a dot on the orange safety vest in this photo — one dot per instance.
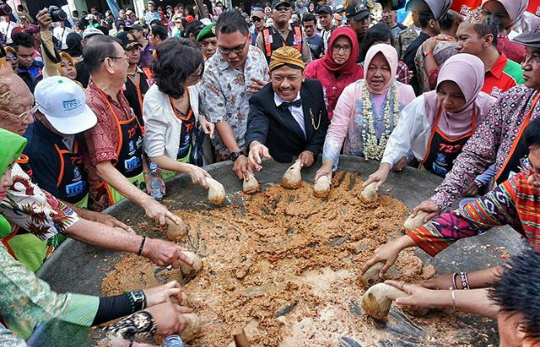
[272, 39]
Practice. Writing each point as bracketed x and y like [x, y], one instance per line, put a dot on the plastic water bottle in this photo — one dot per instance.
[155, 183]
[173, 341]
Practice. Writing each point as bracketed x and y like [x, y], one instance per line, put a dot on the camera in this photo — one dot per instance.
[57, 14]
[5, 10]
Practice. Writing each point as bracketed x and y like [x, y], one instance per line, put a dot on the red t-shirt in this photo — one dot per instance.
[534, 7]
[465, 7]
[504, 75]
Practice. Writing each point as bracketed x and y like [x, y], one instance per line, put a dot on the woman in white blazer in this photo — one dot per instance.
[171, 109]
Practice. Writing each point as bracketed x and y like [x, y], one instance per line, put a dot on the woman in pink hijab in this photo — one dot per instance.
[367, 111]
[506, 14]
[436, 125]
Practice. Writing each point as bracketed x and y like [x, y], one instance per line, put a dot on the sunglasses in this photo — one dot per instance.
[281, 8]
[256, 19]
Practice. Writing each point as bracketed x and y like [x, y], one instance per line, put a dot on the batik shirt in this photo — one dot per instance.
[515, 203]
[224, 96]
[25, 300]
[491, 143]
[35, 210]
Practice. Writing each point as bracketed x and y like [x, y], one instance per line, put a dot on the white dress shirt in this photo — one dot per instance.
[296, 111]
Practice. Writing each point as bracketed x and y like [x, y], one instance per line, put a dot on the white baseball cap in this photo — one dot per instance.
[63, 103]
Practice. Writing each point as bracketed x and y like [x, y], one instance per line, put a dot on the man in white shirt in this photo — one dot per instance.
[5, 29]
[61, 32]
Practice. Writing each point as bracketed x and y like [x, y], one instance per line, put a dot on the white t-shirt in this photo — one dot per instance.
[61, 35]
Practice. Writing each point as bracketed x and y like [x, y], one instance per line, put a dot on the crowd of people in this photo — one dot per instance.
[92, 106]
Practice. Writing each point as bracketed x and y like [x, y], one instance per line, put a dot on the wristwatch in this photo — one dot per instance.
[425, 54]
[235, 156]
[139, 299]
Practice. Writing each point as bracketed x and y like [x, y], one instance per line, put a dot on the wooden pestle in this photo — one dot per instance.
[292, 179]
[377, 300]
[371, 276]
[240, 338]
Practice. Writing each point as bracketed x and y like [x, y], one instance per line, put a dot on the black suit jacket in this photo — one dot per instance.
[283, 135]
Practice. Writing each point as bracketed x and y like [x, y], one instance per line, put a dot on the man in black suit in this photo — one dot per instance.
[288, 117]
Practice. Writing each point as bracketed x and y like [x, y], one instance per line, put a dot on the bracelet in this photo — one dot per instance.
[141, 246]
[428, 53]
[454, 299]
[454, 280]
[464, 281]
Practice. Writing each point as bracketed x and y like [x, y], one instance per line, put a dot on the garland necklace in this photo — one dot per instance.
[373, 148]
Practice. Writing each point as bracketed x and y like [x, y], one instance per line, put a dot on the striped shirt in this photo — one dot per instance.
[515, 203]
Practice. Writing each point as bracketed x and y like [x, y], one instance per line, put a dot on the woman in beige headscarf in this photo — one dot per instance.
[367, 111]
[506, 14]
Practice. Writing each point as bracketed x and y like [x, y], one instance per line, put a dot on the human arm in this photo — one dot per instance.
[494, 209]
[207, 126]
[241, 166]
[159, 251]
[51, 58]
[256, 132]
[306, 53]
[477, 279]
[98, 217]
[153, 209]
[428, 48]
[477, 155]
[213, 105]
[470, 301]
[388, 254]
[485, 178]
[198, 175]
[412, 128]
[337, 131]
[163, 319]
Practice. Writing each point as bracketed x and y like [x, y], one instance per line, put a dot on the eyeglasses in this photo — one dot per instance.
[116, 58]
[337, 48]
[236, 50]
[24, 115]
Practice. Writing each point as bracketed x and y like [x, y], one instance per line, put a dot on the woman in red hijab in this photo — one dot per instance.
[338, 68]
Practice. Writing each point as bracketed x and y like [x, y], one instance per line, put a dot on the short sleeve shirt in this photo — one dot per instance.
[103, 139]
[224, 96]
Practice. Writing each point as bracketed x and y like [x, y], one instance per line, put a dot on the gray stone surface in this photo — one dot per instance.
[77, 267]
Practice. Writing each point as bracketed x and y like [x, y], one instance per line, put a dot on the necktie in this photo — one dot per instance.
[285, 105]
